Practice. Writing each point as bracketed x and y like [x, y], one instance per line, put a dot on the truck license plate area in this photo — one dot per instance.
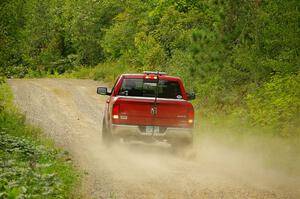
[152, 130]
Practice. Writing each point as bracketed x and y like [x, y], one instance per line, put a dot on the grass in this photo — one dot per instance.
[107, 72]
[30, 165]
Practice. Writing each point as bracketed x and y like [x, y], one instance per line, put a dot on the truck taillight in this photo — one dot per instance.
[191, 116]
[115, 111]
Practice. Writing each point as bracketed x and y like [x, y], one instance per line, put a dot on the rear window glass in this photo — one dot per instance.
[147, 88]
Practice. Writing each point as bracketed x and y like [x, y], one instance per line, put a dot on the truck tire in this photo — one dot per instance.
[107, 137]
[181, 145]
[184, 149]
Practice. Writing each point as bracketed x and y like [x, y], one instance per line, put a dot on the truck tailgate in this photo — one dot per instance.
[139, 111]
[135, 111]
[172, 113]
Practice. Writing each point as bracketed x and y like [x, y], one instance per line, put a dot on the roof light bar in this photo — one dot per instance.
[150, 77]
[154, 73]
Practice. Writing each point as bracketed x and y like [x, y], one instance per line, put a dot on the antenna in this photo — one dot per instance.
[156, 92]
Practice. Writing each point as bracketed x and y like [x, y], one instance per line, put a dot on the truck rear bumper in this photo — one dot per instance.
[138, 131]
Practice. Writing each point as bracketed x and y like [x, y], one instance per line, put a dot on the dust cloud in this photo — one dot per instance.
[212, 169]
[218, 166]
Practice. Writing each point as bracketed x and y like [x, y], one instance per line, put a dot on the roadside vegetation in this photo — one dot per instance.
[30, 165]
[242, 58]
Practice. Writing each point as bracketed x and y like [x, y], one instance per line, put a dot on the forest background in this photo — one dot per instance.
[240, 57]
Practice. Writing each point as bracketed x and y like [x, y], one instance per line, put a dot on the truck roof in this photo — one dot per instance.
[140, 76]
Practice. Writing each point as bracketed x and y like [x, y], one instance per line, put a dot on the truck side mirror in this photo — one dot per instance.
[102, 91]
[191, 96]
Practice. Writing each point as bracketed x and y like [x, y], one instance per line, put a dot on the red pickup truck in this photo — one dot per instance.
[149, 107]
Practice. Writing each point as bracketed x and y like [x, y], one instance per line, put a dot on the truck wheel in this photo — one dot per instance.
[181, 145]
[184, 149]
[107, 137]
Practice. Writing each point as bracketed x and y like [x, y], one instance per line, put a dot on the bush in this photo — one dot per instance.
[105, 72]
[277, 104]
[109, 71]
[15, 71]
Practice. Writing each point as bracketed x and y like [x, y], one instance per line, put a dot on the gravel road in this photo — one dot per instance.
[70, 112]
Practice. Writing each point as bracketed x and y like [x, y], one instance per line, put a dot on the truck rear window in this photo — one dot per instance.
[147, 88]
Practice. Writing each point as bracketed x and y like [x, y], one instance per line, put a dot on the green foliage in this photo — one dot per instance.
[30, 167]
[84, 22]
[149, 52]
[30, 170]
[277, 104]
[106, 72]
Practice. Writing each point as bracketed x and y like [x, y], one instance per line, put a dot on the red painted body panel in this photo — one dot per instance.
[137, 111]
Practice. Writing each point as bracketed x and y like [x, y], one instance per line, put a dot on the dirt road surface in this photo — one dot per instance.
[70, 112]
